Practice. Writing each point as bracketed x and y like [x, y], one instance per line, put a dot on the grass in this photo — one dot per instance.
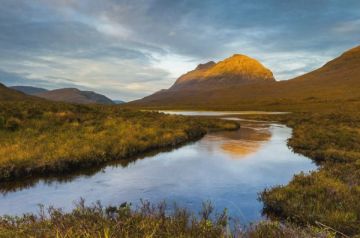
[144, 221]
[329, 196]
[42, 138]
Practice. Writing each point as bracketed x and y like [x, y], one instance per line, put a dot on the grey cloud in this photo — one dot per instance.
[125, 39]
[9, 78]
[15, 79]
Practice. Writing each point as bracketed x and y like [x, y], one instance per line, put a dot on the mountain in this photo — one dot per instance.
[119, 101]
[73, 95]
[342, 69]
[243, 87]
[233, 71]
[29, 90]
[7, 94]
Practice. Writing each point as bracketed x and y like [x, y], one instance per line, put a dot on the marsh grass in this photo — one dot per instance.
[42, 138]
[146, 220]
[331, 194]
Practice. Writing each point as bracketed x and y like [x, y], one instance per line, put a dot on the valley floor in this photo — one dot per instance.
[311, 205]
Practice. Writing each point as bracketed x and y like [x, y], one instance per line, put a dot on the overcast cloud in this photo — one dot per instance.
[128, 49]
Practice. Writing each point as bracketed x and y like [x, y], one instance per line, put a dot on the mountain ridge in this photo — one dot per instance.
[29, 90]
[338, 79]
[74, 95]
[8, 94]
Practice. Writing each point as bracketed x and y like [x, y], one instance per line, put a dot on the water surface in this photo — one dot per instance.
[227, 168]
[219, 113]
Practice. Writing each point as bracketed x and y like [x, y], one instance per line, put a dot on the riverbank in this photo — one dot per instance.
[145, 221]
[329, 196]
[42, 138]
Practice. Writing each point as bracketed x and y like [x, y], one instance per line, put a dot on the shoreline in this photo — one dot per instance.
[21, 174]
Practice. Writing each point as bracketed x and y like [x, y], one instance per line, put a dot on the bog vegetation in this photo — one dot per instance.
[38, 137]
[329, 196]
[144, 221]
[43, 138]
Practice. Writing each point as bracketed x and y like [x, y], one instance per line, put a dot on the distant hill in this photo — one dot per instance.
[7, 94]
[338, 79]
[119, 101]
[29, 90]
[73, 95]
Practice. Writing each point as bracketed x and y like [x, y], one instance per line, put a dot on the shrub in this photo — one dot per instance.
[2, 122]
[12, 124]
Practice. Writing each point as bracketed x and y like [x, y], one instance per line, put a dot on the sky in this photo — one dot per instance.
[128, 49]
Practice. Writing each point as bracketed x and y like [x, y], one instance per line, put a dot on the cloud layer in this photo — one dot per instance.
[129, 49]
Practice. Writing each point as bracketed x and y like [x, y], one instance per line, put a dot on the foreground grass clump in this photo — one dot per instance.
[331, 195]
[145, 221]
[42, 137]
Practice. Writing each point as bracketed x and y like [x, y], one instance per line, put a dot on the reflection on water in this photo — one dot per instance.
[246, 141]
[219, 113]
[227, 168]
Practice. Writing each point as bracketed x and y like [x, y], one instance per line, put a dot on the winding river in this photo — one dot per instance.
[227, 168]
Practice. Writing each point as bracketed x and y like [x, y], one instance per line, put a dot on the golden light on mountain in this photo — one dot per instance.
[243, 83]
[242, 66]
[235, 70]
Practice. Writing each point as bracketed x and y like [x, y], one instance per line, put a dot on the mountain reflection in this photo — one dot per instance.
[247, 140]
[243, 142]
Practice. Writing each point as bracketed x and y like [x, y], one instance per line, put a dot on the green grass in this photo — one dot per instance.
[42, 138]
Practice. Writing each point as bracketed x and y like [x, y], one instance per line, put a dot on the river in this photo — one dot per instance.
[227, 168]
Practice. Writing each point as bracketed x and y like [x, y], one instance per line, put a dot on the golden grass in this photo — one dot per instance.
[43, 138]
